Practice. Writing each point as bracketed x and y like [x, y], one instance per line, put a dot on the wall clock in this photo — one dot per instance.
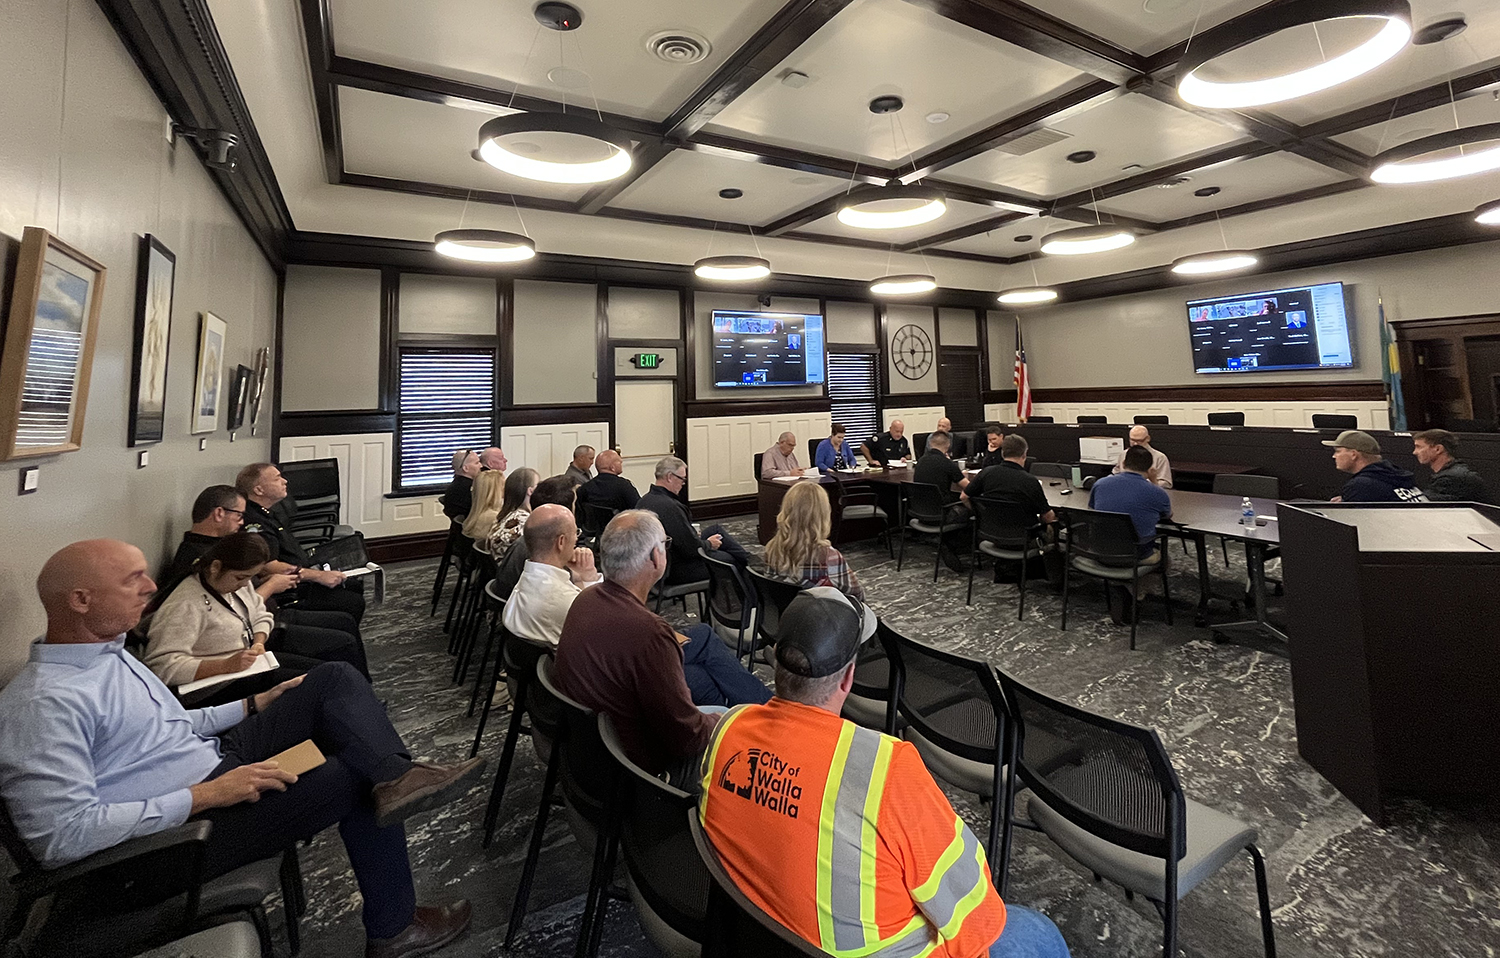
[911, 351]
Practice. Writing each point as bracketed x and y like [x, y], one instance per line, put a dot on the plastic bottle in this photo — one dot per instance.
[1247, 513]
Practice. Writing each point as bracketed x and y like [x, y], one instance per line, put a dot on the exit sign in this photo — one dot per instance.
[647, 360]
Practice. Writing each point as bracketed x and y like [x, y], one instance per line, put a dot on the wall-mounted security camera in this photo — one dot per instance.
[217, 146]
[765, 300]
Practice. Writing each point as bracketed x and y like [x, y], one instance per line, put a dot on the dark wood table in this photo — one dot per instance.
[773, 491]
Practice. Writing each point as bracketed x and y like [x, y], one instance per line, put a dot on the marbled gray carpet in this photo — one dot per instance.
[1424, 886]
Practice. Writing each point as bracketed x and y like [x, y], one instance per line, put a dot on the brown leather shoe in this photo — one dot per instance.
[426, 786]
[433, 927]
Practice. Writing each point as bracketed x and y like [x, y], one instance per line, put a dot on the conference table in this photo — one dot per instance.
[1195, 516]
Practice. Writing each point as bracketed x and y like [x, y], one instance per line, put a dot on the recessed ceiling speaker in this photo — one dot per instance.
[1082, 156]
[730, 193]
[1444, 28]
[1024, 238]
[1207, 191]
[680, 47]
[886, 104]
[558, 16]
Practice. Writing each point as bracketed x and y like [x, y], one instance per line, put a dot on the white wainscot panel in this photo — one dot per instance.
[1371, 414]
[548, 449]
[364, 481]
[917, 419]
[721, 450]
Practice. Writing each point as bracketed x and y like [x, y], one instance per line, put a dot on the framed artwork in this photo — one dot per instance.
[239, 396]
[49, 347]
[258, 384]
[155, 274]
[208, 386]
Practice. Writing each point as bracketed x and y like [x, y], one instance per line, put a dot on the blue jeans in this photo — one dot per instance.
[714, 676]
[1028, 934]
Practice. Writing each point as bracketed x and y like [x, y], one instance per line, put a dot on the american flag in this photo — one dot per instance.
[1022, 380]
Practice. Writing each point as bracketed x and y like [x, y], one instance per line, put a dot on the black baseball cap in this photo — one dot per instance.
[819, 633]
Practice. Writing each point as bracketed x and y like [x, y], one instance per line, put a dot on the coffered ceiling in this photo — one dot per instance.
[369, 110]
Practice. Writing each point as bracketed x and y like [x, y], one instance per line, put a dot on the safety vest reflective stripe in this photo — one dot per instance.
[711, 754]
[957, 883]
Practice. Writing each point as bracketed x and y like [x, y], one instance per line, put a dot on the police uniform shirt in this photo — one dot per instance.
[283, 545]
[887, 448]
[1009, 482]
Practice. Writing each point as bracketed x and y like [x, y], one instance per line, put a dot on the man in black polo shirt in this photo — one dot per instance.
[991, 453]
[263, 486]
[936, 469]
[609, 489]
[889, 446]
[1008, 481]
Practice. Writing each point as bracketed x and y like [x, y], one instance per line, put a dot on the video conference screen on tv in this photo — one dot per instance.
[767, 349]
[1305, 327]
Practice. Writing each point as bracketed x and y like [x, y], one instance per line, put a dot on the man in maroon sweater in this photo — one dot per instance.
[618, 657]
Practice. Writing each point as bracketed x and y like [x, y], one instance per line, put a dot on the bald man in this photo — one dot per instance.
[94, 750]
[1161, 467]
[781, 459]
[890, 446]
[609, 489]
[556, 571]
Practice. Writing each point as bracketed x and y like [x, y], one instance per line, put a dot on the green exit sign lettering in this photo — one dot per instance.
[646, 360]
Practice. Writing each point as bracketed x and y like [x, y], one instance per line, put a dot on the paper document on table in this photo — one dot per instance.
[854, 471]
[263, 663]
[362, 570]
[896, 463]
[787, 478]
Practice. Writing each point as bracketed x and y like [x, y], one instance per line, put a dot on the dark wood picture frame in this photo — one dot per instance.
[155, 288]
[57, 293]
[239, 396]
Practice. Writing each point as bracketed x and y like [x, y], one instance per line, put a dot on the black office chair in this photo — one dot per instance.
[1039, 419]
[732, 605]
[1107, 794]
[919, 443]
[759, 458]
[1006, 532]
[856, 501]
[1093, 420]
[1151, 420]
[877, 683]
[519, 658]
[665, 878]
[1226, 419]
[734, 927]
[1323, 420]
[1473, 425]
[450, 552]
[1103, 545]
[924, 511]
[678, 591]
[1256, 487]
[772, 596]
[313, 487]
[593, 518]
[1052, 470]
[812, 450]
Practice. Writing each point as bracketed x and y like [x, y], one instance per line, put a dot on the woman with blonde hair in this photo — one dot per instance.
[489, 494]
[514, 510]
[800, 550]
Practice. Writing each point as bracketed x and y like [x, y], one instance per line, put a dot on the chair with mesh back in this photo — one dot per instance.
[450, 551]
[1093, 420]
[1107, 794]
[772, 596]
[732, 605]
[877, 683]
[593, 518]
[955, 715]
[1052, 470]
[734, 926]
[665, 878]
[1226, 419]
[857, 501]
[1103, 545]
[924, 511]
[1256, 487]
[678, 591]
[1152, 420]
[1323, 420]
[518, 658]
[1006, 532]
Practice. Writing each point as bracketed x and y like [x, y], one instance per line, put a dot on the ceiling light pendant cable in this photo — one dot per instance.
[896, 205]
[903, 284]
[1224, 260]
[732, 269]
[482, 245]
[1392, 37]
[1034, 295]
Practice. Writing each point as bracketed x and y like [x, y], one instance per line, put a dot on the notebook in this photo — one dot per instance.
[263, 663]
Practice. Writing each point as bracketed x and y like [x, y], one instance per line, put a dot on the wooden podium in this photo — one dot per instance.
[1391, 617]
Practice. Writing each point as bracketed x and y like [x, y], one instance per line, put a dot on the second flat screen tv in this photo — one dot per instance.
[1305, 327]
[753, 348]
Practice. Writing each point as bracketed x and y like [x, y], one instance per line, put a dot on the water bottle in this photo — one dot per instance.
[1247, 513]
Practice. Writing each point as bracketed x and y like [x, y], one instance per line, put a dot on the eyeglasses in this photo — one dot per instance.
[238, 512]
[677, 477]
[665, 542]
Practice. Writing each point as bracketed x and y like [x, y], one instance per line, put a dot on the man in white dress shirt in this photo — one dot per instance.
[555, 573]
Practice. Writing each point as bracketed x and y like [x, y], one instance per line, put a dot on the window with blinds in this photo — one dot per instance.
[447, 404]
[854, 394]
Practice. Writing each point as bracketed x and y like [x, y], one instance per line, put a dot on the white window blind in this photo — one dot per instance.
[447, 404]
[854, 394]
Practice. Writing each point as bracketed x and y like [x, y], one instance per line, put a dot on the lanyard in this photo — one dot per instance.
[248, 635]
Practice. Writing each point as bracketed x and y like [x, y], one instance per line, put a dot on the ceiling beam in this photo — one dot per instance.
[1473, 83]
[1161, 174]
[1270, 203]
[841, 169]
[804, 216]
[319, 31]
[423, 188]
[1060, 108]
[962, 232]
[1022, 26]
[776, 40]
[643, 158]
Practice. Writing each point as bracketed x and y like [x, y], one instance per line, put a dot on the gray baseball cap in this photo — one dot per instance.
[1356, 440]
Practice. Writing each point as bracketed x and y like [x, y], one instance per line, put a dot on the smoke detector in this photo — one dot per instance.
[679, 47]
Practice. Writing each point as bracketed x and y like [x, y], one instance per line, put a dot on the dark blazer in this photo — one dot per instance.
[687, 565]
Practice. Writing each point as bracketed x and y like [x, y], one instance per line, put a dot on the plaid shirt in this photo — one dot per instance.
[834, 571]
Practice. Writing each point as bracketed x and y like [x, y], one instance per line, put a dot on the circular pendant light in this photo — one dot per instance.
[484, 246]
[584, 149]
[903, 284]
[1488, 214]
[1221, 261]
[1404, 163]
[1027, 296]
[1390, 40]
[732, 269]
[891, 207]
[1086, 239]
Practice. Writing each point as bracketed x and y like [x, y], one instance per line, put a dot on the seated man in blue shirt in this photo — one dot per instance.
[95, 750]
[835, 452]
[1131, 491]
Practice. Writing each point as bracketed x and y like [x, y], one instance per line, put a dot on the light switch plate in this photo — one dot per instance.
[202, 444]
[30, 479]
[143, 460]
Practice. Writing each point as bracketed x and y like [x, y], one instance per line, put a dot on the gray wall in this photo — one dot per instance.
[956, 327]
[896, 317]
[851, 323]
[463, 305]
[554, 342]
[331, 338]
[97, 171]
[644, 313]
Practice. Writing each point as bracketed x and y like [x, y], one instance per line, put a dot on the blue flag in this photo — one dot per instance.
[1390, 360]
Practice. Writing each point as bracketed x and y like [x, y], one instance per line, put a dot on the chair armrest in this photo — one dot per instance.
[172, 852]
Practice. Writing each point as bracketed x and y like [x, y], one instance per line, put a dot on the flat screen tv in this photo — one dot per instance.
[1304, 327]
[753, 348]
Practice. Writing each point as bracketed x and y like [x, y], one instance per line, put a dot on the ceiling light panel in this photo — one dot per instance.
[1130, 129]
[1245, 181]
[957, 214]
[851, 59]
[408, 139]
[687, 183]
[483, 42]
